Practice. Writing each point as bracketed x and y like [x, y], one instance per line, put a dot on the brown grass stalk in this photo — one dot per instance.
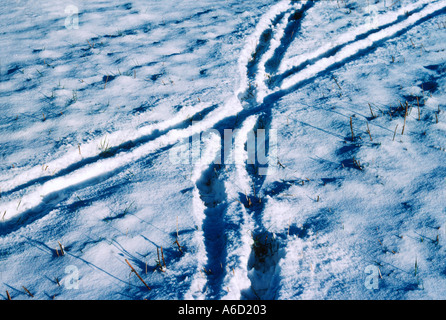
[106, 80]
[351, 128]
[27, 291]
[159, 260]
[337, 83]
[371, 111]
[179, 246]
[405, 116]
[419, 112]
[162, 256]
[394, 133]
[133, 269]
[61, 248]
[357, 163]
[368, 131]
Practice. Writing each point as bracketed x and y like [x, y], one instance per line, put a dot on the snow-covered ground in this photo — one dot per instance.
[114, 154]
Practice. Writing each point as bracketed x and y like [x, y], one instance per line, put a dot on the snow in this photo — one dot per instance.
[113, 148]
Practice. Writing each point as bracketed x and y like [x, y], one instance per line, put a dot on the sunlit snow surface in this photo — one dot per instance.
[98, 97]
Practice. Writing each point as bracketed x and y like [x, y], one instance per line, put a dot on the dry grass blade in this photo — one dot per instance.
[131, 267]
[27, 291]
[106, 80]
[337, 83]
[394, 133]
[351, 128]
[419, 112]
[162, 256]
[357, 163]
[368, 131]
[371, 112]
[179, 246]
[405, 116]
[61, 248]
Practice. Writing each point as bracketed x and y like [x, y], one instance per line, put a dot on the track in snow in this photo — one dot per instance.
[258, 95]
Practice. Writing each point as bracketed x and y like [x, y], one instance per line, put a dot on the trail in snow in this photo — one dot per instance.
[360, 46]
[87, 170]
[281, 26]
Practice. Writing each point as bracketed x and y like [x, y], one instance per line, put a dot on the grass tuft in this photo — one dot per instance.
[104, 146]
